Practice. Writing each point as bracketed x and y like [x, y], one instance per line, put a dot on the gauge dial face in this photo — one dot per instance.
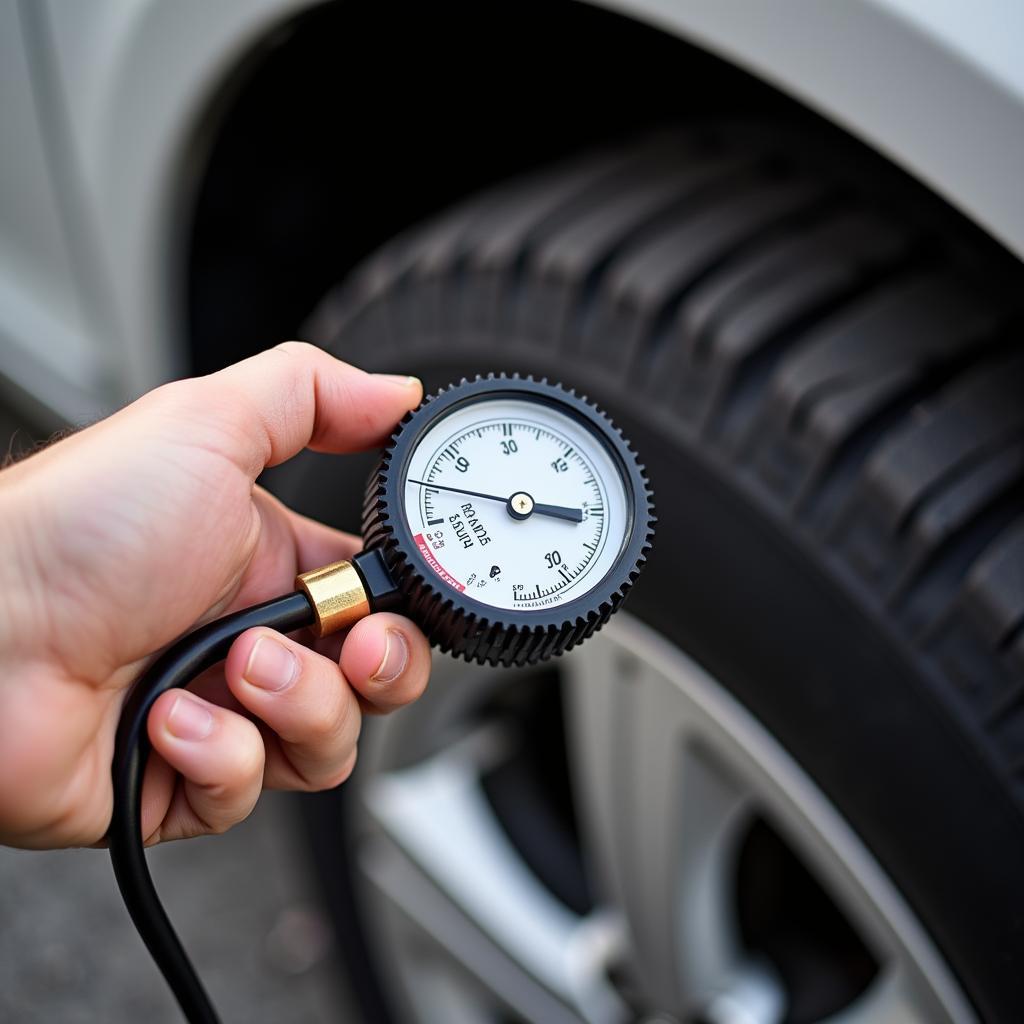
[516, 503]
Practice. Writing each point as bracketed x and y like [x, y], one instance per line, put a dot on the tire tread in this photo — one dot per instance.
[861, 374]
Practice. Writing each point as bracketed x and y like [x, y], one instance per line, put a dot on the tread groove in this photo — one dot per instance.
[854, 450]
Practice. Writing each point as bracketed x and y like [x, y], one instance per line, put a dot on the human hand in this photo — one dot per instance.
[121, 537]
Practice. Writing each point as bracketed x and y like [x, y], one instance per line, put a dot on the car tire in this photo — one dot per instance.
[820, 366]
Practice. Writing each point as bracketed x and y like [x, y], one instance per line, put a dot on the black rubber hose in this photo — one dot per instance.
[177, 666]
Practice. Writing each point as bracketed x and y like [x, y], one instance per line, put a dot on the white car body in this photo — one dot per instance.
[103, 106]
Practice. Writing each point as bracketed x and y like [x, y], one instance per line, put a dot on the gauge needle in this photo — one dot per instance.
[574, 515]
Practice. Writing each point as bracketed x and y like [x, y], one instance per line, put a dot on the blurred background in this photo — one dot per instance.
[246, 908]
[781, 245]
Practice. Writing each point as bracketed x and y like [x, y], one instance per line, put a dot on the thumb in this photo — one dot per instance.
[297, 396]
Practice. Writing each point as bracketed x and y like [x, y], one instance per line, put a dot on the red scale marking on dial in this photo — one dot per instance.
[434, 564]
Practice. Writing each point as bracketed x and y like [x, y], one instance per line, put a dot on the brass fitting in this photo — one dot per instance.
[337, 594]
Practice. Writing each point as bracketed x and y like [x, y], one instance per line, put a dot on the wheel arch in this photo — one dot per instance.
[930, 86]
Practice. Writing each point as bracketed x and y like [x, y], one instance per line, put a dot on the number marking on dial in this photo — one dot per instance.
[526, 490]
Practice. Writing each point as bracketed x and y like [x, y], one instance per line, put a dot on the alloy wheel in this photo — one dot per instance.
[699, 873]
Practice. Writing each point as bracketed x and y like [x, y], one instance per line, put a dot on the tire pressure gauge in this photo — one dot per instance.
[512, 516]
[507, 517]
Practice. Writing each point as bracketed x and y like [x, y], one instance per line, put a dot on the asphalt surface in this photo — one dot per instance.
[245, 905]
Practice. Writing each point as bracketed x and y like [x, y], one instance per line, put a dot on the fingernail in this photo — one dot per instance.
[189, 719]
[396, 657]
[397, 378]
[271, 665]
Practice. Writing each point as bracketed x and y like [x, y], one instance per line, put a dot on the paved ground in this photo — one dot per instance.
[244, 904]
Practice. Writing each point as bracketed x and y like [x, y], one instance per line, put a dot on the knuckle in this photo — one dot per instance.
[250, 765]
[222, 823]
[231, 807]
[331, 720]
[247, 759]
[297, 349]
[341, 773]
[175, 395]
[323, 725]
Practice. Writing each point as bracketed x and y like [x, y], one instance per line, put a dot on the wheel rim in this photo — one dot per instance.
[671, 778]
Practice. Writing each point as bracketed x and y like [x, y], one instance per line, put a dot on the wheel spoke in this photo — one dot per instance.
[668, 773]
[442, 856]
[753, 995]
[892, 996]
[663, 818]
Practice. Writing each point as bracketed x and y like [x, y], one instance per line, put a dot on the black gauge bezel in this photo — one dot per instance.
[386, 493]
